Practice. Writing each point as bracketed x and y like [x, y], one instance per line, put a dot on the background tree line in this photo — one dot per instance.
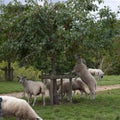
[48, 36]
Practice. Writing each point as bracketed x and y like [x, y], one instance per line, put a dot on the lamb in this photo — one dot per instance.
[33, 88]
[81, 70]
[18, 108]
[77, 84]
[98, 73]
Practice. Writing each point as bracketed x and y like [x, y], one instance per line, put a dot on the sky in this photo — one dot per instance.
[113, 4]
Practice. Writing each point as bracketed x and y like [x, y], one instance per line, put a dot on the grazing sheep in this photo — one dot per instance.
[81, 70]
[33, 88]
[98, 73]
[77, 84]
[19, 108]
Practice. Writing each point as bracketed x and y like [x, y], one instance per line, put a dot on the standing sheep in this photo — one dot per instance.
[33, 88]
[81, 70]
[19, 108]
[77, 84]
[98, 73]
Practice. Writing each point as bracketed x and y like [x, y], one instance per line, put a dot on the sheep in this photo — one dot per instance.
[33, 88]
[98, 73]
[81, 70]
[18, 108]
[77, 84]
[47, 82]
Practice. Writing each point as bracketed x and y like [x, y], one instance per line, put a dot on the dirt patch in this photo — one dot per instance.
[110, 87]
[20, 94]
[99, 88]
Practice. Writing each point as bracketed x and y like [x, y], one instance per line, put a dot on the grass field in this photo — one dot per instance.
[106, 106]
[8, 87]
[109, 80]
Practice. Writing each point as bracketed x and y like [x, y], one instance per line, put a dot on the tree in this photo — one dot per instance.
[8, 23]
[49, 36]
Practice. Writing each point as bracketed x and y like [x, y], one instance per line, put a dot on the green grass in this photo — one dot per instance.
[109, 80]
[8, 87]
[106, 106]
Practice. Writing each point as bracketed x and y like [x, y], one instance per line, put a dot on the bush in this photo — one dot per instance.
[30, 72]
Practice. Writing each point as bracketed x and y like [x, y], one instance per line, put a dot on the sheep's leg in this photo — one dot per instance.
[93, 94]
[69, 97]
[86, 94]
[74, 92]
[84, 91]
[23, 93]
[43, 98]
[29, 97]
[34, 101]
[81, 93]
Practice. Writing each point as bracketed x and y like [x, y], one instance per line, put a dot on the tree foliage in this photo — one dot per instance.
[49, 36]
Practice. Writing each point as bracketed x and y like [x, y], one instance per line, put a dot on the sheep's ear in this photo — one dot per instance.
[78, 59]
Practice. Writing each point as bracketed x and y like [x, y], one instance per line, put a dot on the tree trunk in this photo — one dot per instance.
[9, 71]
[55, 95]
[101, 63]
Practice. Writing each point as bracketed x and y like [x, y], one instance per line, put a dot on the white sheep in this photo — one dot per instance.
[18, 108]
[81, 70]
[98, 73]
[77, 84]
[34, 88]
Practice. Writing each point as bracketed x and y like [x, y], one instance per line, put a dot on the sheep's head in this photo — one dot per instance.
[101, 74]
[21, 79]
[78, 59]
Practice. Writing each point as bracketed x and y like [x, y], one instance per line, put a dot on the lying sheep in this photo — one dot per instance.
[98, 73]
[81, 70]
[77, 84]
[19, 108]
[33, 88]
